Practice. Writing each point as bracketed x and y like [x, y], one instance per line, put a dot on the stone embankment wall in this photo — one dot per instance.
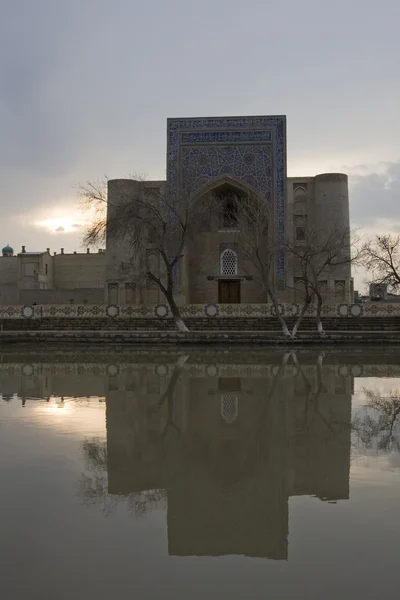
[372, 317]
[211, 312]
[196, 324]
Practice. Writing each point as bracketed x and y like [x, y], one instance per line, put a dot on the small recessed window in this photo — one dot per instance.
[230, 217]
[300, 234]
[228, 262]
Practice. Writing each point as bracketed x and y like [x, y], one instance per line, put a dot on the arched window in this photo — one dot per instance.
[323, 289]
[340, 295]
[229, 408]
[229, 208]
[299, 290]
[113, 293]
[230, 214]
[300, 233]
[229, 262]
[130, 293]
[299, 198]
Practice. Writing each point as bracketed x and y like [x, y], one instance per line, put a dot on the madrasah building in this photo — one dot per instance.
[227, 157]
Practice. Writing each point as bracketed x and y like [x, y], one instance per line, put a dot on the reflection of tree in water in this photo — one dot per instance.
[312, 394]
[94, 484]
[176, 461]
[377, 425]
[177, 455]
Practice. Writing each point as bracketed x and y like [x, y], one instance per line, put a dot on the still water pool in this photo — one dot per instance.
[240, 474]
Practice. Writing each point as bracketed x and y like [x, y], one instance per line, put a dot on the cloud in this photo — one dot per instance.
[60, 229]
[375, 196]
[62, 124]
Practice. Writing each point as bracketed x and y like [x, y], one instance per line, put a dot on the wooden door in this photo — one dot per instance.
[229, 291]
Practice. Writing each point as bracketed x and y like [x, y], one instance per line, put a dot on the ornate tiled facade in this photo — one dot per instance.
[251, 150]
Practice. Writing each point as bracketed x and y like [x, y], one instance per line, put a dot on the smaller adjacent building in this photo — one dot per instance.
[42, 278]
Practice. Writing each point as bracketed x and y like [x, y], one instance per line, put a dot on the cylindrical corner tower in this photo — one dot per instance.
[331, 216]
[331, 200]
[120, 192]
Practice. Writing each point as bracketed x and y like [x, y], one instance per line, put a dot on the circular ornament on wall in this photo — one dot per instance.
[356, 310]
[161, 311]
[211, 310]
[211, 370]
[161, 370]
[27, 312]
[356, 370]
[343, 310]
[112, 310]
[112, 370]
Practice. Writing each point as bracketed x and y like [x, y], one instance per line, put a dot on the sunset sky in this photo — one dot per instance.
[87, 86]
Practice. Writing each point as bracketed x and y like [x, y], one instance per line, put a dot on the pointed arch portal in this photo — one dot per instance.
[249, 150]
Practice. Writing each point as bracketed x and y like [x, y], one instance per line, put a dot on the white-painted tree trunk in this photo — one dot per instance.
[180, 363]
[300, 318]
[180, 325]
[318, 317]
[281, 320]
[320, 327]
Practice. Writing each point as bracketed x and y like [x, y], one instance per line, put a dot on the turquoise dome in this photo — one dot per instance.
[8, 250]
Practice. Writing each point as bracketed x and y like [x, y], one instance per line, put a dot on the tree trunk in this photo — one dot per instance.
[318, 316]
[180, 325]
[180, 363]
[306, 304]
[281, 320]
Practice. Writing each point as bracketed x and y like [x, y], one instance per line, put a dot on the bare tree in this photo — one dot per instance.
[94, 484]
[255, 248]
[317, 255]
[382, 260]
[144, 222]
[379, 421]
[170, 395]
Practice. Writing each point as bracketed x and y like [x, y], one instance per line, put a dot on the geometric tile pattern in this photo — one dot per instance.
[251, 150]
[162, 311]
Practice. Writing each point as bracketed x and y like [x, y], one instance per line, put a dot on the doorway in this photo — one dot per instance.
[229, 291]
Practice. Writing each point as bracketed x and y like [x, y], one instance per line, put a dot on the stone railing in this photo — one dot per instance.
[162, 311]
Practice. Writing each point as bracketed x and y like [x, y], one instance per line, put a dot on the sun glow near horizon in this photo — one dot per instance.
[62, 224]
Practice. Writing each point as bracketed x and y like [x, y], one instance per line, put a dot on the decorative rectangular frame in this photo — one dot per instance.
[237, 131]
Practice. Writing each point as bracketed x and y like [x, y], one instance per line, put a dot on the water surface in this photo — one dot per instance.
[238, 474]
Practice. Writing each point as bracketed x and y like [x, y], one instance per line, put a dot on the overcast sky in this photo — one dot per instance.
[87, 85]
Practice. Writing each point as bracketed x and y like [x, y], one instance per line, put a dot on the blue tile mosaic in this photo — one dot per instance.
[250, 149]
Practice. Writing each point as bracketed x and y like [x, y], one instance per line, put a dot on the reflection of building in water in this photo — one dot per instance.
[230, 445]
[41, 381]
[319, 435]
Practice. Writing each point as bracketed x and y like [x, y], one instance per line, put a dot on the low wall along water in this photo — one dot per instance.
[201, 311]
